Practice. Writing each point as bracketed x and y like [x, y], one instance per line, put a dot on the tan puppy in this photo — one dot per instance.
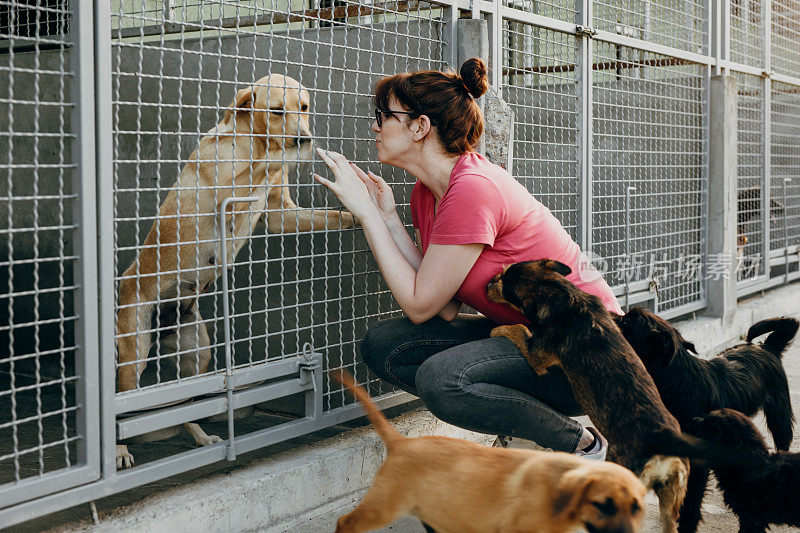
[456, 486]
[246, 154]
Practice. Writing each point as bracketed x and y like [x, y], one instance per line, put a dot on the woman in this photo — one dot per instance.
[470, 219]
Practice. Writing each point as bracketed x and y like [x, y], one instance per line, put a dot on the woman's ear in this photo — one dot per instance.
[420, 127]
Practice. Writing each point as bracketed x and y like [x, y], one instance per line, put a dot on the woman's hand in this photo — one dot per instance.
[379, 191]
[351, 190]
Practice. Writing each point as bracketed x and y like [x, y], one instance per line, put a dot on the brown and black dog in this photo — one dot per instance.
[246, 154]
[457, 486]
[575, 331]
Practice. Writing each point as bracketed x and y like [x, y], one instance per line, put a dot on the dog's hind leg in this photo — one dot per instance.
[778, 412]
[382, 505]
[668, 477]
[748, 524]
[695, 492]
[191, 342]
[136, 304]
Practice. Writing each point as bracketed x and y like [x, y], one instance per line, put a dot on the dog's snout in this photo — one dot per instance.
[302, 140]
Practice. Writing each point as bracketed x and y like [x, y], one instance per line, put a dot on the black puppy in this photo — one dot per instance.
[760, 487]
[747, 377]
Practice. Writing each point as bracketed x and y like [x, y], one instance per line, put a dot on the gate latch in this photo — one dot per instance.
[308, 363]
[585, 30]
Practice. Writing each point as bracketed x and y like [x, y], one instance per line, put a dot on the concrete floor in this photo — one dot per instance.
[716, 517]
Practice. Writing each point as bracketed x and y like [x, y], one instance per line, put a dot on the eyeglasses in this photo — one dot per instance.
[380, 114]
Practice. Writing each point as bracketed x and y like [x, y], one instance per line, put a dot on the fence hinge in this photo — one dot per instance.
[585, 30]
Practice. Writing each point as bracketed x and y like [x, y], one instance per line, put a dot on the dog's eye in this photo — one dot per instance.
[607, 507]
[635, 508]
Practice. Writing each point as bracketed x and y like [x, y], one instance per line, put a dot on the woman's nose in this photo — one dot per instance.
[374, 127]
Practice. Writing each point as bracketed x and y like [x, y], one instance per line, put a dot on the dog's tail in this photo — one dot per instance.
[669, 442]
[387, 433]
[782, 332]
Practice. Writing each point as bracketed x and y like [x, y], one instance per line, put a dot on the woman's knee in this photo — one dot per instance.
[438, 385]
[379, 342]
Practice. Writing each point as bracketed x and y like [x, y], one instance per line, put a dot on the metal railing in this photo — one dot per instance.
[149, 282]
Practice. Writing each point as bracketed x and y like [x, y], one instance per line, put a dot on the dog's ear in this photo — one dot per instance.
[688, 346]
[242, 103]
[662, 345]
[569, 494]
[557, 266]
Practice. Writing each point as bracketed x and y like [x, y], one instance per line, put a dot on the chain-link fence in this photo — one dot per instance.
[165, 254]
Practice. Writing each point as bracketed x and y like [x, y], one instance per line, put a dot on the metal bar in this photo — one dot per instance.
[766, 194]
[32, 488]
[86, 275]
[197, 410]
[683, 310]
[265, 19]
[188, 460]
[783, 78]
[628, 191]
[639, 44]
[226, 304]
[105, 239]
[584, 87]
[190, 388]
[526, 17]
[785, 228]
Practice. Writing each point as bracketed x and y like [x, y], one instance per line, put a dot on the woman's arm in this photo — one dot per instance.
[450, 311]
[403, 241]
[421, 293]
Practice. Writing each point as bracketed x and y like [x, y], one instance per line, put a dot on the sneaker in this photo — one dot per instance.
[515, 443]
[598, 450]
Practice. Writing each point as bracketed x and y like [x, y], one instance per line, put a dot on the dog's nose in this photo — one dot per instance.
[302, 140]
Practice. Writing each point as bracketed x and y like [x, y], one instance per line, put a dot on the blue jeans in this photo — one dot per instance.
[473, 381]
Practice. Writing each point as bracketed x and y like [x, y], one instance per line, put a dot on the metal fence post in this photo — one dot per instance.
[584, 88]
[722, 202]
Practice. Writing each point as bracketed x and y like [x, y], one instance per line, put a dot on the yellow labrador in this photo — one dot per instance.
[246, 154]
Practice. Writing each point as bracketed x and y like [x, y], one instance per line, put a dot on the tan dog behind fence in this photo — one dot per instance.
[247, 154]
[456, 486]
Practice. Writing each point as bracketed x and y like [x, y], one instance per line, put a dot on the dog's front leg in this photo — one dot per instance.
[201, 438]
[284, 216]
[520, 335]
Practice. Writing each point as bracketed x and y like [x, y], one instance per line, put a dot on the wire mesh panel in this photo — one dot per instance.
[746, 33]
[785, 36]
[677, 23]
[539, 82]
[750, 180]
[557, 9]
[43, 435]
[649, 123]
[785, 161]
[297, 77]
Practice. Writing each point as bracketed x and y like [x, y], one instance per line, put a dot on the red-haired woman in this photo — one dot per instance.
[470, 219]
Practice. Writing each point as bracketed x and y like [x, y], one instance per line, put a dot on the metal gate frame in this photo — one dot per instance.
[87, 465]
[97, 476]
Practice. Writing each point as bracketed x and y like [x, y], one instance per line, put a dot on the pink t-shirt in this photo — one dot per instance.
[485, 204]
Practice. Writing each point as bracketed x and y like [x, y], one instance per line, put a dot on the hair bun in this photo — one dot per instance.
[475, 77]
